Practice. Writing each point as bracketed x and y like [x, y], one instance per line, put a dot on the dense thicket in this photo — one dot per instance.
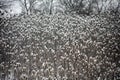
[87, 7]
[60, 47]
[91, 6]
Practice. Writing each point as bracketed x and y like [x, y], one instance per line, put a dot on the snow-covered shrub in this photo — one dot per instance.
[61, 47]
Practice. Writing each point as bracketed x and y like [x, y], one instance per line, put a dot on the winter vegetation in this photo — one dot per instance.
[60, 40]
[87, 7]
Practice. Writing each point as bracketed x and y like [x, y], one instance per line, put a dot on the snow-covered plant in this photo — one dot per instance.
[60, 47]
